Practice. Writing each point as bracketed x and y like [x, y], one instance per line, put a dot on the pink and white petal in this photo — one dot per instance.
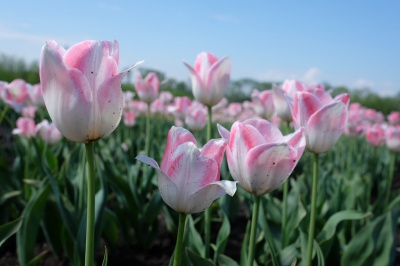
[234, 168]
[203, 198]
[223, 132]
[68, 99]
[218, 80]
[176, 136]
[169, 192]
[323, 96]
[305, 104]
[215, 149]
[344, 97]
[189, 170]
[297, 139]
[268, 166]
[149, 161]
[244, 137]
[203, 63]
[268, 130]
[152, 79]
[326, 126]
[198, 86]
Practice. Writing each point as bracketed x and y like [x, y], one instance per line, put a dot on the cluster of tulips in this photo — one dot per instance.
[81, 89]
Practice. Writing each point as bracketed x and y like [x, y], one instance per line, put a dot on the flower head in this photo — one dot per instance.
[189, 177]
[82, 88]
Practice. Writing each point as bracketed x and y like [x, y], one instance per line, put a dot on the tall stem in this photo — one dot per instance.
[89, 256]
[284, 211]
[390, 179]
[207, 213]
[313, 210]
[179, 239]
[147, 143]
[254, 226]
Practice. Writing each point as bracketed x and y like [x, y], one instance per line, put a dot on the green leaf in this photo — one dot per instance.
[8, 229]
[105, 259]
[33, 214]
[223, 235]
[196, 259]
[245, 245]
[224, 260]
[289, 254]
[38, 258]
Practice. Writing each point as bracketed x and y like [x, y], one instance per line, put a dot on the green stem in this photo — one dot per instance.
[147, 143]
[313, 210]
[390, 180]
[89, 256]
[254, 226]
[179, 239]
[207, 213]
[284, 212]
[3, 113]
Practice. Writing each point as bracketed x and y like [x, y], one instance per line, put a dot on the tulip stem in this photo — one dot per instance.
[89, 256]
[147, 143]
[284, 212]
[390, 179]
[3, 113]
[179, 239]
[313, 210]
[207, 213]
[254, 226]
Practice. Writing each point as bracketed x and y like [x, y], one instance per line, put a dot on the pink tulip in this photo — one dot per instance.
[323, 118]
[282, 109]
[36, 95]
[393, 138]
[196, 117]
[263, 103]
[394, 118]
[165, 97]
[48, 132]
[82, 88]
[375, 135]
[259, 156]
[180, 106]
[15, 94]
[210, 78]
[147, 88]
[26, 127]
[29, 111]
[129, 118]
[189, 178]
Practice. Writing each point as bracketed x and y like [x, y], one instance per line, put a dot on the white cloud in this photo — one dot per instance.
[311, 75]
[363, 83]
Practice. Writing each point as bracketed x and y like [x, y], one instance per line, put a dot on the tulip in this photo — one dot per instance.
[264, 103]
[15, 94]
[210, 78]
[394, 118]
[48, 132]
[196, 117]
[393, 138]
[261, 159]
[259, 156]
[281, 106]
[375, 135]
[189, 177]
[36, 95]
[147, 88]
[26, 127]
[129, 118]
[82, 88]
[323, 118]
[29, 111]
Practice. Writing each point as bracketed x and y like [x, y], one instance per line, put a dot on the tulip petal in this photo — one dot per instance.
[176, 136]
[149, 161]
[218, 80]
[268, 130]
[215, 149]
[202, 199]
[305, 104]
[344, 97]
[267, 167]
[326, 126]
[296, 139]
[223, 132]
[197, 85]
[66, 92]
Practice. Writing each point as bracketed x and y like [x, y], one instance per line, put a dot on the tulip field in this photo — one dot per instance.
[91, 174]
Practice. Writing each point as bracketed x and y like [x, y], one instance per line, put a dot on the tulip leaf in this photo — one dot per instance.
[8, 229]
[196, 259]
[33, 215]
[224, 260]
[105, 259]
[289, 254]
[222, 237]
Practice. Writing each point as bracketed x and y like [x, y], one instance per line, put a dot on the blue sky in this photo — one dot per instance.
[351, 43]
